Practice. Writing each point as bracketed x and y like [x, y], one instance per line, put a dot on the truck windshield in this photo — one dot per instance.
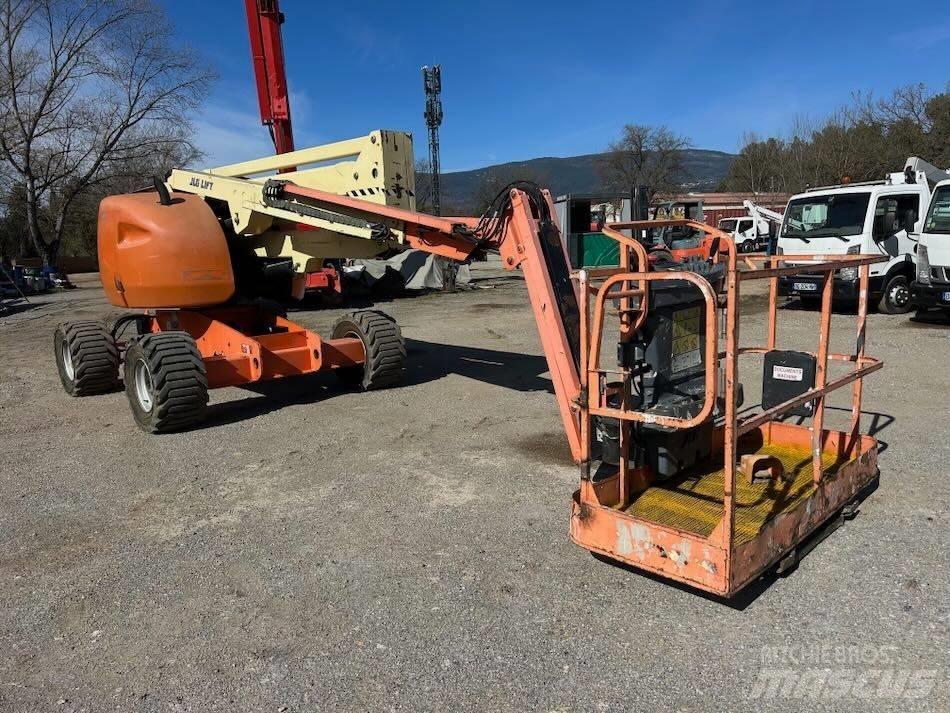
[938, 219]
[727, 226]
[831, 216]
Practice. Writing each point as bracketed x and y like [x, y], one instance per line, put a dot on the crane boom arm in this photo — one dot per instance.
[264, 19]
[915, 166]
[757, 211]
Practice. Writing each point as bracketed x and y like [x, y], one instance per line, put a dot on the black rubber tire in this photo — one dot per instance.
[896, 297]
[383, 345]
[175, 380]
[93, 366]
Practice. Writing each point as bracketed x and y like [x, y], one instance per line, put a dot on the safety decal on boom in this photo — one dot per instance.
[686, 346]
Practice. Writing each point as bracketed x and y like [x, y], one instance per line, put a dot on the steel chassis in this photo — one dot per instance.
[716, 563]
[242, 345]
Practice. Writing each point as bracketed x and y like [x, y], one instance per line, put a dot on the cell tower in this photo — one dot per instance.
[432, 82]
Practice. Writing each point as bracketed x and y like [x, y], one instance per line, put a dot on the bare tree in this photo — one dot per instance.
[863, 140]
[907, 103]
[14, 237]
[756, 168]
[424, 188]
[645, 156]
[91, 91]
[938, 108]
[799, 166]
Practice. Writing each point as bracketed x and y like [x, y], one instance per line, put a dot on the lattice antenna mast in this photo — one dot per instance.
[432, 83]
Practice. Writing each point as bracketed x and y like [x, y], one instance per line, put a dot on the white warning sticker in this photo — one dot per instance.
[787, 373]
[686, 333]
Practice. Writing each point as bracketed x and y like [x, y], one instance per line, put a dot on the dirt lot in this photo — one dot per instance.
[315, 549]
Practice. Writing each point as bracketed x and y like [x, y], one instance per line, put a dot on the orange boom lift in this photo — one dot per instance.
[672, 479]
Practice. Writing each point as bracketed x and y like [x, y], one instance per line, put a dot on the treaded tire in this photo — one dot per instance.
[166, 382]
[896, 297]
[383, 345]
[87, 358]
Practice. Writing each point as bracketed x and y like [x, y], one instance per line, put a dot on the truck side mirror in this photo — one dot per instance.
[909, 220]
[889, 224]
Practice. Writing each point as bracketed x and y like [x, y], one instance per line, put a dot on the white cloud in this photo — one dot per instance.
[301, 106]
[227, 136]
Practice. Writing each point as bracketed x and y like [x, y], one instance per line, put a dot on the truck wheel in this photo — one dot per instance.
[896, 297]
[165, 382]
[87, 358]
[383, 345]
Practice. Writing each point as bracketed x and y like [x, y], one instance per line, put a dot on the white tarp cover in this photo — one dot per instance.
[417, 269]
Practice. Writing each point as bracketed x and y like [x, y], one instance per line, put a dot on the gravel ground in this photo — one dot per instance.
[407, 549]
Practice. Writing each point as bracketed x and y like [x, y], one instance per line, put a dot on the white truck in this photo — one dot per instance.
[932, 286]
[876, 217]
[747, 235]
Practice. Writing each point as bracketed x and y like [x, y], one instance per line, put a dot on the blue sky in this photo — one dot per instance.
[528, 79]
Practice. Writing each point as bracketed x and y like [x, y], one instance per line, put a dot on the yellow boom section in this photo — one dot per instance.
[377, 168]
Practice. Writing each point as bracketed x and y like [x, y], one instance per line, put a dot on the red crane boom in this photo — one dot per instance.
[264, 19]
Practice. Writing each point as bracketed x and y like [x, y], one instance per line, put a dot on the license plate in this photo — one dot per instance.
[805, 287]
[946, 296]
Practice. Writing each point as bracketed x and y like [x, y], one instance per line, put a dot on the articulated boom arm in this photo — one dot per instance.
[525, 241]
[449, 237]
[525, 235]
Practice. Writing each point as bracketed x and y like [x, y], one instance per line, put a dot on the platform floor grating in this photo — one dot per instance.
[693, 502]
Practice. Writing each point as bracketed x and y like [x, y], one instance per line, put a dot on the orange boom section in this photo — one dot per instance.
[153, 255]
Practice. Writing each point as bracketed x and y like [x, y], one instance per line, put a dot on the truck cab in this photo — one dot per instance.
[878, 217]
[932, 286]
[744, 233]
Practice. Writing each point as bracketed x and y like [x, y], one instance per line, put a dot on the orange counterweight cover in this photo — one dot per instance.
[154, 255]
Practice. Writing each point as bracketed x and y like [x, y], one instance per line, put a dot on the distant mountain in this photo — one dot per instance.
[576, 174]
